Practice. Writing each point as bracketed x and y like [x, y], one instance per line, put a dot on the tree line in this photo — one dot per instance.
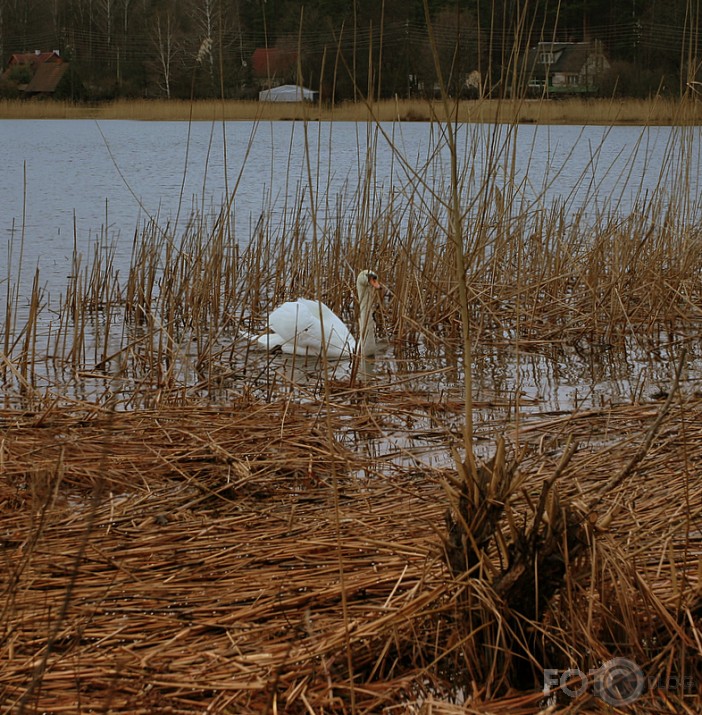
[348, 49]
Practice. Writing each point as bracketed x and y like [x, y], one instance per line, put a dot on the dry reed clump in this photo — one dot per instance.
[238, 560]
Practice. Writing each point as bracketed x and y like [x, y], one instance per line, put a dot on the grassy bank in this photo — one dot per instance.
[569, 111]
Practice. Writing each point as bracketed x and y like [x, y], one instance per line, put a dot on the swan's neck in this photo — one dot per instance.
[366, 323]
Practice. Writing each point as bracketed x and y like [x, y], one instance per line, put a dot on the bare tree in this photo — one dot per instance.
[108, 14]
[2, 30]
[217, 32]
[121, 39]
[203, 15]
[164, 41]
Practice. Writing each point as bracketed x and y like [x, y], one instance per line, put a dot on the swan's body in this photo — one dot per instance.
[296, 327]
[309, 327]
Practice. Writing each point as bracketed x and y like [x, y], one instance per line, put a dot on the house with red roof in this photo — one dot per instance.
[36, 73]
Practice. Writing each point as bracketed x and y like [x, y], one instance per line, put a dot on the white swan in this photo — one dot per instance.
[304, 327]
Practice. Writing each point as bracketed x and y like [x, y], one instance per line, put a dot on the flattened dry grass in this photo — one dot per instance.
[237, 560]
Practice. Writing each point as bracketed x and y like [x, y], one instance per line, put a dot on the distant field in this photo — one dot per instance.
[535, 111]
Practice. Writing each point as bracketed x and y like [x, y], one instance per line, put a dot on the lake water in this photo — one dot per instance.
[67, 183]
[77, 180]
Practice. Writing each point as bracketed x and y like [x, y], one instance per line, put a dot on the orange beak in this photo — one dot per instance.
[375, 282]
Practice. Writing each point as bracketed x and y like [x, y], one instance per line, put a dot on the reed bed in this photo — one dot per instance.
[541, 283]
[607, 112]
[542, 277]
[240, 559]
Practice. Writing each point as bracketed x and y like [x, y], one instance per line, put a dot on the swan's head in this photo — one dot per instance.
[367, 279]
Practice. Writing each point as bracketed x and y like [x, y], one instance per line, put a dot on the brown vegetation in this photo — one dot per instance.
[531, 111]
[236, 558]
[272, 553]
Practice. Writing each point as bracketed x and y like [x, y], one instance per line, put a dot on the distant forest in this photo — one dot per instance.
[347, 48]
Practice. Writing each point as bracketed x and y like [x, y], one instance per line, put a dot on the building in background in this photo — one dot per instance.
[565, 68]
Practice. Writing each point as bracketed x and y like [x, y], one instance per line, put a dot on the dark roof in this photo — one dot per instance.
[573, 57]
[46, 78]
[568, 57]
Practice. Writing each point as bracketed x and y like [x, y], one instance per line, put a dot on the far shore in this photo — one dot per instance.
[530, 111]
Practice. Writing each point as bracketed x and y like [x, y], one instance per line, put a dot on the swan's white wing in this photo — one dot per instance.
[296, 327]
[337, 336]
[289, 319]
[288, 323]
[268, 341]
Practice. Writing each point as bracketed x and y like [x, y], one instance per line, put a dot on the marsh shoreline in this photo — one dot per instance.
[606, 112]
